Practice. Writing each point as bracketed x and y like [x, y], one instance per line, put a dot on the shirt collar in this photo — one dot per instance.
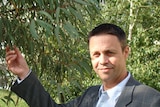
[115, 91]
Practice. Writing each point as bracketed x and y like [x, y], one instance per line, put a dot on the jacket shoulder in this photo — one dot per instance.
[146, 90]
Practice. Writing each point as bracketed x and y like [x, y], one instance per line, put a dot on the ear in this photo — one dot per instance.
[126, 51]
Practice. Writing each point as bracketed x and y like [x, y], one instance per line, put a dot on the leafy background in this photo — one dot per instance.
[52, 35]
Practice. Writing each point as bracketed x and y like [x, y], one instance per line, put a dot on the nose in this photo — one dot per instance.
[103, 59]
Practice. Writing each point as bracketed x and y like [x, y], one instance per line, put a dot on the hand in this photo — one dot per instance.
[16, 62]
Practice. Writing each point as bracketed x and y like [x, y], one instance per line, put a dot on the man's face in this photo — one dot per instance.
[108, 59]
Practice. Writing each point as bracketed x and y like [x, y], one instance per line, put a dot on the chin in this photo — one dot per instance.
[104, 79]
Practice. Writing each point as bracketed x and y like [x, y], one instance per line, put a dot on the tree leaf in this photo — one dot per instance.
[46, 14]
[57, 14]
[33, 29]
[71, 29]
[44, 24]
[81, 2]
[56, 31]
[66, 11]
[77, 14]
[41, 3]
[1, 28]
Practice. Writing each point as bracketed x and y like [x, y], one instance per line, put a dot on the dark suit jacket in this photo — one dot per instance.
[134, 95]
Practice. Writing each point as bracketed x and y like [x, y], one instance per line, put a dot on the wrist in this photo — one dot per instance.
[24, 75]
[19, 80]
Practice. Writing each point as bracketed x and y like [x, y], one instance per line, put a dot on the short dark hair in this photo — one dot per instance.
[112, 29]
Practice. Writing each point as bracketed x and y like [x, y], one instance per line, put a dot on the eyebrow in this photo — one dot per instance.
[107, 50]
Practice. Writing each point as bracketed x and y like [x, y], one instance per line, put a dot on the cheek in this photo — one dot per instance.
[94, 63]
[113, 60]
[118, 62]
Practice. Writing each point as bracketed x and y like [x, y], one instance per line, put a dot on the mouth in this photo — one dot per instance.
[105, 69]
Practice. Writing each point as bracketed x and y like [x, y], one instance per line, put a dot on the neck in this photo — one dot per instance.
[110, 84]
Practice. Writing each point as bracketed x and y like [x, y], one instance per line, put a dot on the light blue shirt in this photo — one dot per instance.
[110, 97]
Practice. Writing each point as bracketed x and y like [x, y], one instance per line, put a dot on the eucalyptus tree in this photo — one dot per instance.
[52, 35]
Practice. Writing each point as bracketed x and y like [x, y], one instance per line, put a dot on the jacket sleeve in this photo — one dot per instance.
[34, 94]
[31, 90]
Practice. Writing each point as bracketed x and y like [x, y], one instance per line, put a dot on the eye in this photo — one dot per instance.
[96, 54]
[110, 53]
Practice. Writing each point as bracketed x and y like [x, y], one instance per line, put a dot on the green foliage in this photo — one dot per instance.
[52, 34]
[10, 100]
[145, 48]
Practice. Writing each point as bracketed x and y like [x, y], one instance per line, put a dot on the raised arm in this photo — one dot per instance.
[30, 89]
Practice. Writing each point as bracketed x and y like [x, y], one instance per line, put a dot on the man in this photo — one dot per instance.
[109, 51]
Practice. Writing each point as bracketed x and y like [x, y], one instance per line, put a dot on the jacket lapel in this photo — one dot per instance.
[126, 97]
[127, 94]
[94, 96]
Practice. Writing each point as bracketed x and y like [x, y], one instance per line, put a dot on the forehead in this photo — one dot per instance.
[104, 41]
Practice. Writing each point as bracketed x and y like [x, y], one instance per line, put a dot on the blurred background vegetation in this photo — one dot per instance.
[52, 35]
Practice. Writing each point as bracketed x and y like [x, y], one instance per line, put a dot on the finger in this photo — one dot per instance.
[10, 52]
[7, 48]
[11, 58]
[17, 51]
